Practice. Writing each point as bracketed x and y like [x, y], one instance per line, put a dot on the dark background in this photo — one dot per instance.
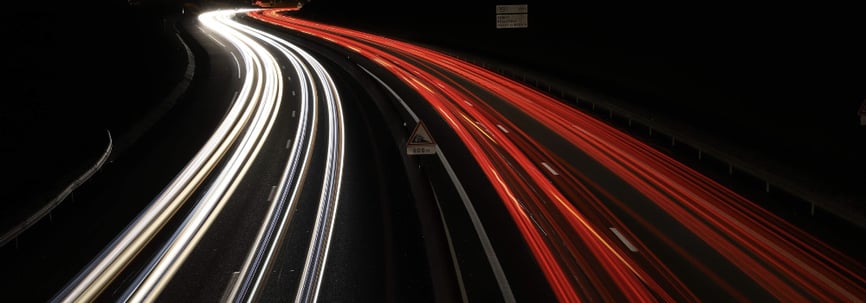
[74, 72]
[779, 84]
[785, 80]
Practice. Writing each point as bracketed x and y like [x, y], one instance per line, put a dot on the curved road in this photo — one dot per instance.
[283, 175]
[604, 216]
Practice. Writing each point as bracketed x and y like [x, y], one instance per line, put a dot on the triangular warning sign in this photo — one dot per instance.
[420, 135]
[420, 142]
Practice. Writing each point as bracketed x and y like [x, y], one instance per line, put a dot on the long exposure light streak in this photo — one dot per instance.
[789, 271]
[786, 262]
[317, 255]
[224, 160]
[252, 132]
[91, 281]
[468, 128]
[262, 255]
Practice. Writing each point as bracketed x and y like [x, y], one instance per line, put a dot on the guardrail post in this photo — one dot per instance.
[673, 140]
[768, 186]
[730, 169]
[700, 154]
[629, 122]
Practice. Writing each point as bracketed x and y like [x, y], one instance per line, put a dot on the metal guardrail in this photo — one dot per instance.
[151, 117]
[157, 112]
[51, 205]
[740, 161]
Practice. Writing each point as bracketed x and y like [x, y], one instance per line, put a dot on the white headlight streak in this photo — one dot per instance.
[224, 161]
[260, 260]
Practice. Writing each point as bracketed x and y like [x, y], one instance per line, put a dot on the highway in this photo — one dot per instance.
[287, 176]
[605, 216]
[253, 214]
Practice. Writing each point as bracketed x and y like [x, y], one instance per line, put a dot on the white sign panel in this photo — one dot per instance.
[512, 21]
[512, 16]
[512, 9]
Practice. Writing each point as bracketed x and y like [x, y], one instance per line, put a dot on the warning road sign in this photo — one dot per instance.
[420, 141]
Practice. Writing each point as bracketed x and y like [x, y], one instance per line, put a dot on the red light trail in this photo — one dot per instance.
[567, 219]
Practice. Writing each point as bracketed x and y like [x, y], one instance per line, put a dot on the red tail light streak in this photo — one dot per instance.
[585, 251]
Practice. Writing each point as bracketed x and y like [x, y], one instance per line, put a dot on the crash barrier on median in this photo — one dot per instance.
[51, 205]
[113, 148]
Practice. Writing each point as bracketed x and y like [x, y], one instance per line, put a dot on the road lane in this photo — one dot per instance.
[218, 168]
[751, 252]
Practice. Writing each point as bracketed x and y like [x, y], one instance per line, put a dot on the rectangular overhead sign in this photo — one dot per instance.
[512, 21]
[512, 9]
[512, 16]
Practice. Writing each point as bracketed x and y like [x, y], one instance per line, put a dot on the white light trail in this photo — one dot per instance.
[254, 107]
[262, 255]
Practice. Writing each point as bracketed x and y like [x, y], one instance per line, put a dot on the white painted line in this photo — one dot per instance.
[293, 114]
[215, 39]
[623, 239]
[237, 63]
[531, 217]
[550, 169]
[454, 259]
[578, 128]
[273, 191]
[228, 291]
[493, 260]
[289, 144]
[502, 128]
[406, 106]
[293, 93]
